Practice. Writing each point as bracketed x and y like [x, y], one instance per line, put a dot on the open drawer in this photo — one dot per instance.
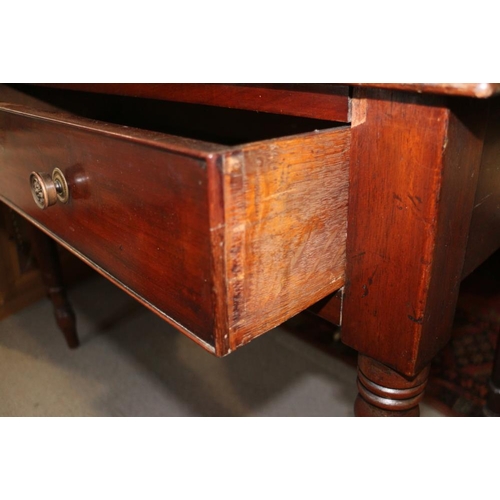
[223, 241]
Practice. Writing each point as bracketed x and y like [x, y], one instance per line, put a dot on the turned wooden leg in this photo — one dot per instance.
[385, 393]
[45, 250]
[493, 403]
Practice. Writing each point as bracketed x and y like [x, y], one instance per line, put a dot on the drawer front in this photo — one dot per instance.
[138, 212]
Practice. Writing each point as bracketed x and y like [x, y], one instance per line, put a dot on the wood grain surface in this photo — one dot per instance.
[413, 176]
[286, 249]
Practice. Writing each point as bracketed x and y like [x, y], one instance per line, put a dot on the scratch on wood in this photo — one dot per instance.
[216, 228]
[370, 279]
[358, 255]
[483, 200]
[414, 200]
[418, 320]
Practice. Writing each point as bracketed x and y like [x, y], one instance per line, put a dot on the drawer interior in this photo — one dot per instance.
[225, 126]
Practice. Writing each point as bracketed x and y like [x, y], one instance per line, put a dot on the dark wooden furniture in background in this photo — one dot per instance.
[20, 278]
[370, 191]
[20, 282]
[45, 251]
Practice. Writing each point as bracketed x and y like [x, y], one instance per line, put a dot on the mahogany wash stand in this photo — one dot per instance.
[226, 209]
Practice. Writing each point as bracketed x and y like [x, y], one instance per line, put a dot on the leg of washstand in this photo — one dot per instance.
[493, 403]
[415, 161]
[45, 250]
[385, 393]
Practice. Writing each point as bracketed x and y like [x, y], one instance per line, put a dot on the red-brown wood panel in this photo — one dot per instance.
[137, 211]
[413, 175]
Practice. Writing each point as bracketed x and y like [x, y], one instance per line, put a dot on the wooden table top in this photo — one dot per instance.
[459, 89]
[145, 90]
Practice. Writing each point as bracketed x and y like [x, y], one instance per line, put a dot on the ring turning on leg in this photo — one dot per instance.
[384, 392]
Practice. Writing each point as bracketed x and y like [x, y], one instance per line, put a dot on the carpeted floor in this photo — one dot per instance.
[459, 374]
[131, 363]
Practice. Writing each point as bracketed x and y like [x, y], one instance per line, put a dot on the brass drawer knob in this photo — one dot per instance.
[47, 189]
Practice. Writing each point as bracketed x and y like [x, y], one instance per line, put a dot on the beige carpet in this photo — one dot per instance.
[131, 363]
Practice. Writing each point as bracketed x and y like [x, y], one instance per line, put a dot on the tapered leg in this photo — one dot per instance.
[385, 393]
[45, 251]
[493, 403]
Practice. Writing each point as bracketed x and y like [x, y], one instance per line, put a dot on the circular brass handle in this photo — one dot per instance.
[47, 189]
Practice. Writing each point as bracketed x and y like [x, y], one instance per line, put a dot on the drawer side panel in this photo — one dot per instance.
[286, 217]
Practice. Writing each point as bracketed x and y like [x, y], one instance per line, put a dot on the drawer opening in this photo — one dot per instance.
[223, 126]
